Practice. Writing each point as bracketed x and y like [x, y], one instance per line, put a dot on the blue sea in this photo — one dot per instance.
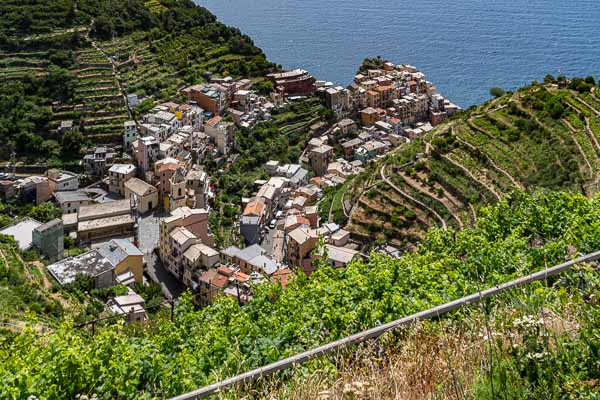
[465, 47]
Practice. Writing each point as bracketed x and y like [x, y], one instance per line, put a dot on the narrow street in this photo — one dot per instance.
[155, 270]
[148, 234]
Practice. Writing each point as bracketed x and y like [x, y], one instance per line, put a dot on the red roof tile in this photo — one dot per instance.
[214, 120]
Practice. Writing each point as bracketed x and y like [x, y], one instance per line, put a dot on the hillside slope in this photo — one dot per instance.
[74, 60]
[536, 342]
[541, 137]
[521, 234]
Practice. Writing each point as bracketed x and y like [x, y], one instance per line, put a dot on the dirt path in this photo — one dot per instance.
[591, 135]
[51, 35]
[409, 197]
[588, 129]
[4, 260]
[574, 132]
[347, 214]
[473, 177]
[492, 163]
[447, 200]
[330, 214]
[473, 213]
[117, 77]
[585, 103]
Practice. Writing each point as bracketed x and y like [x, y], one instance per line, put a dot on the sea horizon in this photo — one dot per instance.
[465, 48]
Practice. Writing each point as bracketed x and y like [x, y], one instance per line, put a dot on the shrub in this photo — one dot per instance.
[497, 92]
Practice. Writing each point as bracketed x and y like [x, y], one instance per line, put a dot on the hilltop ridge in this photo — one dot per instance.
[75, 61]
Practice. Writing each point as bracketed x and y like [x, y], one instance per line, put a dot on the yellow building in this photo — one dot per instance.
[125, 257]
[368, 116]
[116, 262]
[145, 195]
[301, 242]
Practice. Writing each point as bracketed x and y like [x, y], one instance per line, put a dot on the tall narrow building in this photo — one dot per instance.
[177, 190]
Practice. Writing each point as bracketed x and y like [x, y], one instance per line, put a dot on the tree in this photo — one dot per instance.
[103, 27]
[62, 58]
[71, 143]
[45, 212]
[5, 220]
[327, 113]
[497, 92]
[581, 85]
[263, 87]
[59, 84]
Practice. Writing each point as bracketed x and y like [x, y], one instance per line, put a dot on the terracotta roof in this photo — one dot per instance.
[225, 271]
[214, 278]
[241, 277]
[220, 281]
[255, 207]
[302, 220]
[282, 276]
[384, 88]
[214, 120]
[165, 167]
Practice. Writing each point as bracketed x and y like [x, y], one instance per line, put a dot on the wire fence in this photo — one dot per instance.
[376, 332]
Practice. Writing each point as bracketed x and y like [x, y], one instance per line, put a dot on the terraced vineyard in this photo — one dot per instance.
[540, 138]
[163, 66]
[152, 48]
[19, 65]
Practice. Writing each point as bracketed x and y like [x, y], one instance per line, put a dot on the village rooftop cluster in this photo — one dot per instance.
[153, 195]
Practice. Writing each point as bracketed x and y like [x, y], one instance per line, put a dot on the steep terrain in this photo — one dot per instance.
[74, 60]
[519, 235]
[535, 343]
[541, 137]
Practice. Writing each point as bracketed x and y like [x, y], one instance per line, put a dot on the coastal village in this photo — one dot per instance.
[142, 211]
[243, 200]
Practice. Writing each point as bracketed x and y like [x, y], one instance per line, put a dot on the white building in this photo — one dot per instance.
[130, 134]
[60, 181]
